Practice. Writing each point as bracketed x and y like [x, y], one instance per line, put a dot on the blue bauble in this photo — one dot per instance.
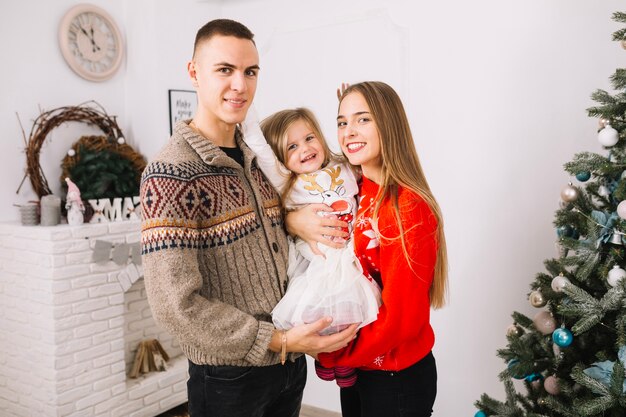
[583, 176]
[564, 231]
[533, 377]
[480, 413]
[562, 337]
[512, 363]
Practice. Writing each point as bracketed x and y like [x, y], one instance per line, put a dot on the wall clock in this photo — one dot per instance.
[91, 42]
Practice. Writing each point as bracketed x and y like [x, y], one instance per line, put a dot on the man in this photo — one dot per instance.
[215, 250]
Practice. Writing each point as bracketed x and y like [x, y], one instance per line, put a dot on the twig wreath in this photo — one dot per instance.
[84, 159]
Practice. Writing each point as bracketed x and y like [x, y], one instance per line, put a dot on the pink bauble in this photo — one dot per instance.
[551, 385]
[544, 322]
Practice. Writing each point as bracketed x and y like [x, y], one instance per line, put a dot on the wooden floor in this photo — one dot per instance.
[306, 411]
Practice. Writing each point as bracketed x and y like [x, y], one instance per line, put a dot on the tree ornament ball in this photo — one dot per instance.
[616, 274]
[513, 330]
[480, 413]
[608, 136]
[71, 152]
[562, 337]
[121, 140]
[621, 209]
[536, 299]
[559, 282]
[583, 176]
[603, 191]
[544, 322]
[569, 193]
[551, 385]
[511, 364]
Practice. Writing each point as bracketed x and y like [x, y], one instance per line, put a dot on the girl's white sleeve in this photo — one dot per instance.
[275, 172]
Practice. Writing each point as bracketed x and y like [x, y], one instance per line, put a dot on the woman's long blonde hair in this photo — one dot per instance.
[275, 129]
[401, 167]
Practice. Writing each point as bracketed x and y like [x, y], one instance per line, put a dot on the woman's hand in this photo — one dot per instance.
[313, 228]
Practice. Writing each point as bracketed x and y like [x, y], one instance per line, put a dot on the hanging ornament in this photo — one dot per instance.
[536, 299]
[569, 193]
[551, 385]
[71, 152]
[562, 337]
[621, 209]
[510, 365]
[608, 136]
[616, 274]
[583, 176]
[513, 330]
[533, 377]
[616, 238]
[480, 413]
[559, 282]
[121, 140]
[603, 191]
[544, 322]
[564, 231]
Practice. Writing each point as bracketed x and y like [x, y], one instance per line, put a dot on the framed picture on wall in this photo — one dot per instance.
[183, 104]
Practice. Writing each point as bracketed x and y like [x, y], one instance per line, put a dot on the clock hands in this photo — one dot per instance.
[94, 46]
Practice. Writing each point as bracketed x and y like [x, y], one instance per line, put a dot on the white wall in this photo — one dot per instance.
[496, 93]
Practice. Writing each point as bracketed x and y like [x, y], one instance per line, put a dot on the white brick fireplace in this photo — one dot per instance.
[69, 326]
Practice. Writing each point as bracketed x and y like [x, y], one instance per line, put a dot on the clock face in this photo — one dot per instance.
[90, 42]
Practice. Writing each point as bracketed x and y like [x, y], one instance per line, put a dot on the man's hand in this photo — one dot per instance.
[305, 338]
[341, 89]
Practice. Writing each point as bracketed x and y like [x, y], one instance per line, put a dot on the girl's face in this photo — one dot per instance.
[358, 136]
[304, 153]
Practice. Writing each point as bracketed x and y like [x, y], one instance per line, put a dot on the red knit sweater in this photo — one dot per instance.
[401, 335]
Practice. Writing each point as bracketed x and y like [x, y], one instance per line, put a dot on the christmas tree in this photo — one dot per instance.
[571, 355]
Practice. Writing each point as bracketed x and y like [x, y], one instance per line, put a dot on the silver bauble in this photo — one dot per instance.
[536, 299]
[616, 274]
[551, 385]
[559, 282]
[544, 322]
[569, 193]
[621, 209]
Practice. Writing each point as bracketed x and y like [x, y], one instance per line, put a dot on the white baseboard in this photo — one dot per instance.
[310, 411]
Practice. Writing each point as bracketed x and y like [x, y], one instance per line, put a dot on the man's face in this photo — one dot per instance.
[224, 72]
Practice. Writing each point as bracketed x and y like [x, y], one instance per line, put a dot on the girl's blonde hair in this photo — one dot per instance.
[275, 129]
[401, 167]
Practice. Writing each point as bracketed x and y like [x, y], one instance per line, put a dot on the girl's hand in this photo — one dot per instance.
[313, 229]
[341, 89]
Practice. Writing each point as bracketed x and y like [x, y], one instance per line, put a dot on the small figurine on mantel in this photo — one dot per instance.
[74, 204]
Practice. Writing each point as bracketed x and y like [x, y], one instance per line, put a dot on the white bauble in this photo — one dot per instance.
[559, 282]
[615, 275]
[608, 136]
[621, 209]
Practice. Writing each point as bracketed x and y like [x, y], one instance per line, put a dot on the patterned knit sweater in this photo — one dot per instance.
[214, 250]
[402, 334]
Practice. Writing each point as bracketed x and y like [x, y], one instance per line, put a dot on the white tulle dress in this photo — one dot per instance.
[331, 285]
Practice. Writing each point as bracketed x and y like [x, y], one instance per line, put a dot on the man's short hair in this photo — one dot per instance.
[222, 27]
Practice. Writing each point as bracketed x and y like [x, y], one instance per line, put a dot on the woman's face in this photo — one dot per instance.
[358, 135]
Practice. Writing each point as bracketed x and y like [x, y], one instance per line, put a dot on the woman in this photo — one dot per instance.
[400, 242]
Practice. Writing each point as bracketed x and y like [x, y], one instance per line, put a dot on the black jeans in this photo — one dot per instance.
[235, 391]
[409, 392]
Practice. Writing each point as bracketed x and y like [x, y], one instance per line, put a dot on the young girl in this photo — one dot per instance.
[298, 162]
